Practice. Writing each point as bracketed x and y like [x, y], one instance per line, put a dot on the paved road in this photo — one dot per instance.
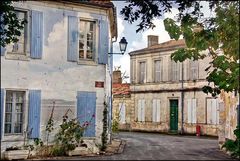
[152, 146]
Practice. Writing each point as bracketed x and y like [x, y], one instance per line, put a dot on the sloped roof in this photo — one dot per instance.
[100, 3]
[166, 46]
[121, 89]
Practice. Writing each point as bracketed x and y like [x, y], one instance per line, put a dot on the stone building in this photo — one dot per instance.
[122, 102]
[228, 116]
[167, 96]
[60, 60]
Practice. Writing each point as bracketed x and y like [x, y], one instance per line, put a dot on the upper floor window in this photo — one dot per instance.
[157, 71]
[19, 47]
[87, 39]
[142, 72]
[14, 112]
[193, 70]
[175, 71]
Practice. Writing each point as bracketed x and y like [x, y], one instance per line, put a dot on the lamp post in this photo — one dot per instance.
[123, 46]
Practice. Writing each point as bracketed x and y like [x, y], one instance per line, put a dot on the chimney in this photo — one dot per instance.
[152, 40]
[117, 76]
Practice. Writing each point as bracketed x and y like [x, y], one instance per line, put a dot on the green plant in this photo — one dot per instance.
[115, 123]
[49, 126]
[105, 127]
[69, 135]
[233, 145]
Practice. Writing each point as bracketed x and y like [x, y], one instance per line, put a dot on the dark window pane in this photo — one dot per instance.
[8, 117]
[18, 128]
[81, 54]
[19, 117]
[7, 129]
[8, 107]
[9, 96]
[89, 55]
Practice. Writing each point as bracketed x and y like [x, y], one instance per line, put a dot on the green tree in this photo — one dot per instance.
[219, 35]
[11, 25]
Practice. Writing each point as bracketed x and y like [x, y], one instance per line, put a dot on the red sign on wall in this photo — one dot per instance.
[99, 84]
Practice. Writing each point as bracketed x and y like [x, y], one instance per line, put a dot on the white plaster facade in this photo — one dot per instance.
[58, 79]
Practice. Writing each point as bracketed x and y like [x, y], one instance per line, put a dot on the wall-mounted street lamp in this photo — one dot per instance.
[123, 45]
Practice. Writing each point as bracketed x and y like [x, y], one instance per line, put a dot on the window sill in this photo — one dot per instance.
[13, 137]
[17, 56]
[87, 62]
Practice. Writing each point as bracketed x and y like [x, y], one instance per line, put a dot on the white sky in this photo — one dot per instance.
[135, 40]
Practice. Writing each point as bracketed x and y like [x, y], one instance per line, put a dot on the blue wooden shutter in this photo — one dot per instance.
[1, 110]
[103, 42]
[3, 51]
[72, 54]
[86, 107]
[37, 35]
[34, 113]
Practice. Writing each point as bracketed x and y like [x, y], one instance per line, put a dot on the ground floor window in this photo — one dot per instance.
[122, 112]
[14, 109]
[141, 110]
[212, 111]
[156, 110]
[192, 110]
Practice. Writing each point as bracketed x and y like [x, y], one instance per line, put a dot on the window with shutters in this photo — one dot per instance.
[20, 46]
[175, 71]
[156, 110]
[193, 67]
[212, 111]
[192, 109]
[142, 72]
[122, 112]
[157, 71]
[14, 108]
[141, 110]
[87, 34]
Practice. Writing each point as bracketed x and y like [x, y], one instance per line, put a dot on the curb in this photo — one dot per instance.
[121, 147]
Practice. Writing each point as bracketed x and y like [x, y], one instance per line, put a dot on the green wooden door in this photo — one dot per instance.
[173, 115]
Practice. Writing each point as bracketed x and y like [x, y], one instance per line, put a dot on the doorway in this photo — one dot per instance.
[174, 116]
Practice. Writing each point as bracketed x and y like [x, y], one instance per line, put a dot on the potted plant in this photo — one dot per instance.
[16, 152]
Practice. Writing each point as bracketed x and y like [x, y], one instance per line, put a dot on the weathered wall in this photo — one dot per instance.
[58, 79]
[129, 111]
[164, 124]
[228, 116]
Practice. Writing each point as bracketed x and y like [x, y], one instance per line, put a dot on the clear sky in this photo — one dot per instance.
[138, 41]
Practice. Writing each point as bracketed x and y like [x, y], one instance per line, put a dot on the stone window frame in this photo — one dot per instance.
[139, 71]
[161, 70]
[16, 136]
[25, 56]
[94, 60]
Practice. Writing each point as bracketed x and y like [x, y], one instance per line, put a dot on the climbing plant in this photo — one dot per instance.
[105, 127]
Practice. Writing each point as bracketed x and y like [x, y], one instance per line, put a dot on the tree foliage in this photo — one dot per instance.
[10, 24]
[218, 35]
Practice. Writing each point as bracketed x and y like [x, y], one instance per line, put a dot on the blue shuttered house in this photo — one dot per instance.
[61, 55]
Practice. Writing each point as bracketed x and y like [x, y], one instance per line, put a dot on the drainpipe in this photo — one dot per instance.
[111, 77]
[182, 101]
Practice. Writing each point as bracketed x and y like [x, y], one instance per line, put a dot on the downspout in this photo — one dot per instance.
[111, 77]
[182, 100]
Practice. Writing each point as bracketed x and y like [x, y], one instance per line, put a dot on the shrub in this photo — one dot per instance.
[233, 146]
